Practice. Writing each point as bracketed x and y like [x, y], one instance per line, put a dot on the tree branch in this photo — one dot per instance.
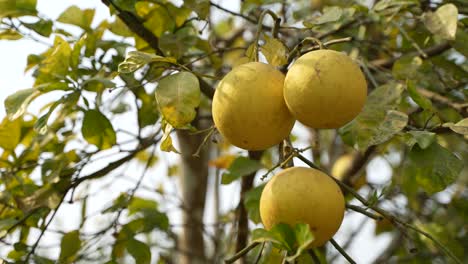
[430, 52]
[135, 24]
[460, 107]
[342, 251]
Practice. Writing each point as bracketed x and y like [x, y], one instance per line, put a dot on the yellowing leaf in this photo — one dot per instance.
[55, 66]
[10, 34]
[222, 162]
[75, 16]
[460, 127]
[178, 95]
[119, 28]
[275, 51]
[15, 8]
[378, 121]
[98, 130]
[442, 22]
[10, 133]
[166, 140]
[137, 59]
[16, 104]
[145, 157]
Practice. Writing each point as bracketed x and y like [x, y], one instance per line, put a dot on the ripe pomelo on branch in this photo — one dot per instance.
[249, 108]
[325, 89]
[340, 169]
[303, 195]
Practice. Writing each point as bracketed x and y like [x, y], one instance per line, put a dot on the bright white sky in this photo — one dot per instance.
[13, 55]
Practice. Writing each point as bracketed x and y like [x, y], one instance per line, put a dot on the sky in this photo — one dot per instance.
[13, 56]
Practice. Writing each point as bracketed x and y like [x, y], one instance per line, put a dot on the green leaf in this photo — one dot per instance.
[407, 68]
[126, 5]
[275, 51]
[75, 16]
[10, 34]
[98, 130]
[282, 235]
[119, 28]
[16, 8]
[420, 100]
[166, 140]
[330, 14]
[460, 42]
[56, 65]
[201, 7]
[137, 59]
[45, 197]
[42, 27]
[240, 167]
[178, 43]
[178, 96]
[377, 122]
[252, 203]
[139, 251]
[16, 104]
[52, 86]
[179, 14]
[432, 169]
[423, 138]
[442, 22]
[304, 239]
[10, 133]
[460, 127]
[70, 245]
[137, 204]
[97, 84]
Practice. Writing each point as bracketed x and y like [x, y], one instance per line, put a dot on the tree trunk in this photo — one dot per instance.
[243, 220]
[193, 183]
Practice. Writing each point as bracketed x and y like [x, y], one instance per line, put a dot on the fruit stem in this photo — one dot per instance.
[260, 27]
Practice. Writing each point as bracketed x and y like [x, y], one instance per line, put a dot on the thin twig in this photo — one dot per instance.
[259, 256]
[364, 212]
[342, 251]
[241, 253]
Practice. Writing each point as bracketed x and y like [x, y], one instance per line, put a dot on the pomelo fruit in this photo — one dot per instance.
[249, 109]
[325, 89]
[303, 195]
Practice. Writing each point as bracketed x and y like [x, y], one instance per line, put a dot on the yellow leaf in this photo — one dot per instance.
[222, 162]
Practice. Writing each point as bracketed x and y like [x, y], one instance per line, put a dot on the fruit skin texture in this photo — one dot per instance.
[303, 195]
[325, 89]
[249, 109]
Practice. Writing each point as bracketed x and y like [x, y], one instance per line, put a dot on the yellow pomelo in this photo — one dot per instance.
[342, 165]
[303, 195]
[325, 89]
[249, 108]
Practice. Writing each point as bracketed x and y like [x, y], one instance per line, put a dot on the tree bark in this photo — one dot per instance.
[243, 220]
[193, 184]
